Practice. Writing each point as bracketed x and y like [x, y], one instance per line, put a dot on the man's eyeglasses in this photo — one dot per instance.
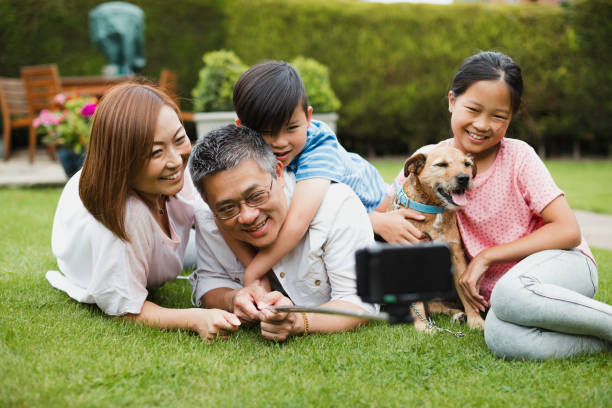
[232, 209]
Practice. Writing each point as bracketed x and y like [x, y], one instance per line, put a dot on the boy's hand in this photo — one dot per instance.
[263, 282]
[395, 227]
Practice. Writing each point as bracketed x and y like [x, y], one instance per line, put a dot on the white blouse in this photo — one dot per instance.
[100, 268]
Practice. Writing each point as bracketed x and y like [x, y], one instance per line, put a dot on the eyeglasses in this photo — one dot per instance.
[232, 209]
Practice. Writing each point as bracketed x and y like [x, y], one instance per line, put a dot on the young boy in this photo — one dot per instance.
[270, 98]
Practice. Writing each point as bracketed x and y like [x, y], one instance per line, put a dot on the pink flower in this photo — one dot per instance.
[60, 99]
[88, 110]
[46, 117]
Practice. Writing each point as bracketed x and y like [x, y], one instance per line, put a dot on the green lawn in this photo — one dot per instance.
[55, 352]
[587, 184]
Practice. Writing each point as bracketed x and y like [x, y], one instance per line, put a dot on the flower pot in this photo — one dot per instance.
[71, 161]
[207, 121]
[330, 119]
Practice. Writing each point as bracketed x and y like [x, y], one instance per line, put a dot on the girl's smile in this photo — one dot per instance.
[479, 119]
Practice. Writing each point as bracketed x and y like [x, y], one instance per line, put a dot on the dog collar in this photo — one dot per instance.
[404, 201]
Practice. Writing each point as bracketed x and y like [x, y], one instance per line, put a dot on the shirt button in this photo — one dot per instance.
[282, 274]
[318, 282]
[237, 280]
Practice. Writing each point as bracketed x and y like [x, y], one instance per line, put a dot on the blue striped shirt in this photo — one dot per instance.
[324, 157]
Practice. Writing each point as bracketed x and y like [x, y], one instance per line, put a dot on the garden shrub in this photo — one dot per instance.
[215, 87]
[318, 87]
[390, 64]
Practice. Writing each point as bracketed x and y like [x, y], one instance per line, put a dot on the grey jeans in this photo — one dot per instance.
[542, 308]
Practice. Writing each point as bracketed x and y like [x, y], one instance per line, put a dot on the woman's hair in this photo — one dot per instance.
[120, 145]
[266, 95]
[486, 66]
[225, 148]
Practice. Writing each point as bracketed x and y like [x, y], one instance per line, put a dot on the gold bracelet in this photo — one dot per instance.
[305, 323]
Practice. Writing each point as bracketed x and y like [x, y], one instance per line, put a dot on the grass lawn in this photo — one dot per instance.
[55, 352]
[586, 183]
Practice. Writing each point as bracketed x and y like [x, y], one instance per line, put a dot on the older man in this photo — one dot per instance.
[240, 179]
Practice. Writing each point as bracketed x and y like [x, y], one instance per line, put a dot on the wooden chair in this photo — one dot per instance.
[41, 84]
[168, 81]
[15, 112]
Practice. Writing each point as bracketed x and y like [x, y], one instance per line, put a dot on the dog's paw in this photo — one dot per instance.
[476, 322]
[420, 326]
[459, 318]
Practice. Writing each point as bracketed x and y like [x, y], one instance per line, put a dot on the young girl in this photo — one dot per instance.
[527, 261]
[123, 221]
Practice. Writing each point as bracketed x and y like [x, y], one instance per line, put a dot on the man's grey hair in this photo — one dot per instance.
[225, 148]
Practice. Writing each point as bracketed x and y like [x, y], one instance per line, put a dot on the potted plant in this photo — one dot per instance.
[67, 127]
[212, 96]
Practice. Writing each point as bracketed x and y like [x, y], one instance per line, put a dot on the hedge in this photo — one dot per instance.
[390, 64]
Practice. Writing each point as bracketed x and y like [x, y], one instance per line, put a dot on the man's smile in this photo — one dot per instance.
[257, 228]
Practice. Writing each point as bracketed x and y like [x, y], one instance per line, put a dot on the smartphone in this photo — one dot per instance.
[401, 274]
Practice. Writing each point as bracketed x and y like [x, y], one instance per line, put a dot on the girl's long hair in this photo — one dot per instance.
[120, 145]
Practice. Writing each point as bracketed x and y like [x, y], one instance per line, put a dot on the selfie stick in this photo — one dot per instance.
[398, 314]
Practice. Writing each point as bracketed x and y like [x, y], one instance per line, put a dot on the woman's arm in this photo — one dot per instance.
[208, 323]
[561, 231]
[305, 203]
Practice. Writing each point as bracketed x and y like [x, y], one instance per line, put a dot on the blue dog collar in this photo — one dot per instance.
[404, 201]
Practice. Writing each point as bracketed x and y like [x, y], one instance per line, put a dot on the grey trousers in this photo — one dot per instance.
[542, 308]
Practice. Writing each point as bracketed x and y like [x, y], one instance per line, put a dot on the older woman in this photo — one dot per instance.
[123, 221]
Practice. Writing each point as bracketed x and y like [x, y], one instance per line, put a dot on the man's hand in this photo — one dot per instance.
[395, 227]
[274, 325]
[244, 303]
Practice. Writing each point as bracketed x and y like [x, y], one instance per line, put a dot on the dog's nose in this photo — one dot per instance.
[463, 180]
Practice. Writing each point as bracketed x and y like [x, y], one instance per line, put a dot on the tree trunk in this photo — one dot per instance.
[576, 150]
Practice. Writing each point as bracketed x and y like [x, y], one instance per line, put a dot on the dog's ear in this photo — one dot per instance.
[472, 163]
[414, 164]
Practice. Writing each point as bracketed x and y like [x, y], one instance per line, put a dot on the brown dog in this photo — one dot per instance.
[435, 185]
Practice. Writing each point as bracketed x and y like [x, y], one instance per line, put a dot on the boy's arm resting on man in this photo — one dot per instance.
[348, 229]
[305, 203]
[243, 251]
[561, 231]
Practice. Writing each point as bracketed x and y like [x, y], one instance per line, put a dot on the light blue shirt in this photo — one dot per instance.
[324, 157]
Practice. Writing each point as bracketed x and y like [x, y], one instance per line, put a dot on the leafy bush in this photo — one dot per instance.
[214, 90]
[316, 81]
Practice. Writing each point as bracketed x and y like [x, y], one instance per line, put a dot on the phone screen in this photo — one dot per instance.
[395, 274]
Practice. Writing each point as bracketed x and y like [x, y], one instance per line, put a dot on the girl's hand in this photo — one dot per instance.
[395, 227]
[470, 281]
[211, 324]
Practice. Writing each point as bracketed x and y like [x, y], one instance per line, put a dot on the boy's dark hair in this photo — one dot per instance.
[266, 95]
[490, 65]
[225, 148]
